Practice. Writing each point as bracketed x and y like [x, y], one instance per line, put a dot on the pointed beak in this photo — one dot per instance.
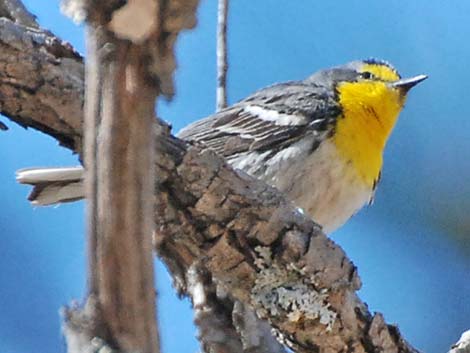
[405, 84]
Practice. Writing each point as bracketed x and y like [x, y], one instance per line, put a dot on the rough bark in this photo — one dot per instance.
[45, 77]
[253, 243]
[262, 251]
[224, 325]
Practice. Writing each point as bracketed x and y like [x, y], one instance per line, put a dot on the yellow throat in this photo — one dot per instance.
[370, 109]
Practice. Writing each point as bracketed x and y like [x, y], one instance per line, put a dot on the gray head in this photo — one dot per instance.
[364, 70]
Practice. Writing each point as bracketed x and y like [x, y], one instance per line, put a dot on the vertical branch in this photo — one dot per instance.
[213, 319]
[119, 127]
[119, 156]
[222, 65]
[127, 66]
[91, 124]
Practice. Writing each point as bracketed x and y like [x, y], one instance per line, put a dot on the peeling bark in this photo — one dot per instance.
[253, 243]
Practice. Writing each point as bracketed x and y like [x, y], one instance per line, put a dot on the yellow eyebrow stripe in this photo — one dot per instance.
[382, 72]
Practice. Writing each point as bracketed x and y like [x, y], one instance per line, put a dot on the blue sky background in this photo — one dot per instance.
[412, 247]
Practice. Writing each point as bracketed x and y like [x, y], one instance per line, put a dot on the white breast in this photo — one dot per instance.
[322, 183]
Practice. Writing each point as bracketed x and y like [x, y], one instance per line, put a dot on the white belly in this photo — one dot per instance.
[322, 183]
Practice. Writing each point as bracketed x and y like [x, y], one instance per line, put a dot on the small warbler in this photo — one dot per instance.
[320, 140]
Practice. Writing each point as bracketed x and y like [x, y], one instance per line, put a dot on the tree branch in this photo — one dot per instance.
[222, 65]
[211, 316]
[46, 76]
[119, 180]
[224, 325]
[119, 154]
[254, 243]
[15, 11]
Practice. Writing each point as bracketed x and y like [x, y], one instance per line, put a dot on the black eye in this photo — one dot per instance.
[367, 75]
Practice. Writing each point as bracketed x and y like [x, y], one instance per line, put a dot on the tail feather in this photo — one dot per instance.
[53, 185]
[34, 176]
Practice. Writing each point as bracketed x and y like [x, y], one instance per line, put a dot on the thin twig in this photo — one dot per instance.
[222, 65]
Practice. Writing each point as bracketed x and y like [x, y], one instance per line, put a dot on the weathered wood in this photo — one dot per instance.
[119, 184]
[255, 244]
[46, 76]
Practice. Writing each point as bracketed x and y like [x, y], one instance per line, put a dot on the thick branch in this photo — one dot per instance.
[45, 75]
[262, 251]
[254, 243]
[119, 155]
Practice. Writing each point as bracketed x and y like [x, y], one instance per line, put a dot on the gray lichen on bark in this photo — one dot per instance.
[288, 290]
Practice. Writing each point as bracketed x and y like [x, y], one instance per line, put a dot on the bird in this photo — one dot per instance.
[320, 140]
